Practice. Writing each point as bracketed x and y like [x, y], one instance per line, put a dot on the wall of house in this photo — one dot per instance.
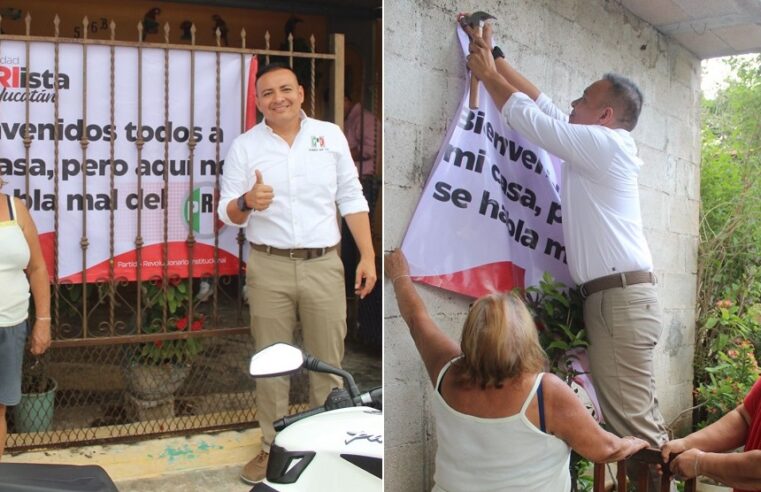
[562, 47]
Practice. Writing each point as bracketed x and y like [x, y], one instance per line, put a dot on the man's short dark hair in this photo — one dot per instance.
[271, 67]
[627, 96]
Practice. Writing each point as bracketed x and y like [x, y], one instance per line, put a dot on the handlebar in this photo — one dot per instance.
[372, 398]
[284, 422]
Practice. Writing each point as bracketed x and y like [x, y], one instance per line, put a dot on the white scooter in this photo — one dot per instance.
[337, 446]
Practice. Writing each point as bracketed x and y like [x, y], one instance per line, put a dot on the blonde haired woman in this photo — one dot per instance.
[20, 251]
[502, 423]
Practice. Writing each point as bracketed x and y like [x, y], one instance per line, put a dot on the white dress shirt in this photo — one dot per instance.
[602, 222]
[310, 180]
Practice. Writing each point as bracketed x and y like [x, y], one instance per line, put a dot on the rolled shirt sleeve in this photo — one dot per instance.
[349, 197]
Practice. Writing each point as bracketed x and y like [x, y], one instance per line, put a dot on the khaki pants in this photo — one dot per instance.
[283, 292]
[624, 325]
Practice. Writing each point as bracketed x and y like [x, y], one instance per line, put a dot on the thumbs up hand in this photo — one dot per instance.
[261, 195]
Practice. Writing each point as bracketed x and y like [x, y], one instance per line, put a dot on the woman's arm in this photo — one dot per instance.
[39, 282]
[726, 434]
[739, 470]
[705, 452]
[434, 346]
[569, 420]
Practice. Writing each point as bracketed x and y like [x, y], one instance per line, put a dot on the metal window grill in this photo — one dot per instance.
[100, 325]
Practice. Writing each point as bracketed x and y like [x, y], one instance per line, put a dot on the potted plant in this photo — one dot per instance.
[156, 370]
[34, 413]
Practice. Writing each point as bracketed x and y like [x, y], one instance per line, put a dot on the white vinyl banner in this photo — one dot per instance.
[79, 184]
[489, 216]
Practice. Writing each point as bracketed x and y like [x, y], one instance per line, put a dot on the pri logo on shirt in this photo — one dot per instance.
[318, 143]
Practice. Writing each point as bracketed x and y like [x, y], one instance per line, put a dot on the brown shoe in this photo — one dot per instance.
[255, 470]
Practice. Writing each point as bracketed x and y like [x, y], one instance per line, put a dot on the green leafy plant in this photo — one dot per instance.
[727, 334]
[580, 473]
[728, 321]
[558, 313]
[728, 381]
[175, 304]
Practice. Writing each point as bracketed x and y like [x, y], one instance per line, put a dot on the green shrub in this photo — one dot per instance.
[729, 252]
[729, 381]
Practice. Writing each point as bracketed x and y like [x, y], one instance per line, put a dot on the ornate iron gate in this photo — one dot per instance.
[103, 325]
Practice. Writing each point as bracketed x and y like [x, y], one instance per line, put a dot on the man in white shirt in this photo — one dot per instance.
[606, 249]
[284, 180]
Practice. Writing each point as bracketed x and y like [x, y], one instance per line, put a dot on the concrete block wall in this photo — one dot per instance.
[562, 46]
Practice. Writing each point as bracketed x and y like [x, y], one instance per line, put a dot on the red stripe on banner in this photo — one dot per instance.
[47, 243]
[481, 280]
[251, 94]
[125, 265]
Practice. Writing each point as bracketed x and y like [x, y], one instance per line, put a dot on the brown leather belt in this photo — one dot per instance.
[616, 280]
[294, 254]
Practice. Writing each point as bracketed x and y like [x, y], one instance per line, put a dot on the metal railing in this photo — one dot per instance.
[640, 461]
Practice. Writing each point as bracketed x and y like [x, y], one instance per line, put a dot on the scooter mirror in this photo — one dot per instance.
[276, 360]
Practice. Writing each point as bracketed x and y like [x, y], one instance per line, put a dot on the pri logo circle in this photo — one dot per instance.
[200, 210]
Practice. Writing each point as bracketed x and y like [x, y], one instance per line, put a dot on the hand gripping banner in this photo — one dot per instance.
[489, 216]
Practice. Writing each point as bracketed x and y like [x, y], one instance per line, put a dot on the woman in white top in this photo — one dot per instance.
[21, 265]
[502, 423]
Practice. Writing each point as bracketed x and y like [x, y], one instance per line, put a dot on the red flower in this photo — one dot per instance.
[198, 323]
[158, 343]
[182, 323]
